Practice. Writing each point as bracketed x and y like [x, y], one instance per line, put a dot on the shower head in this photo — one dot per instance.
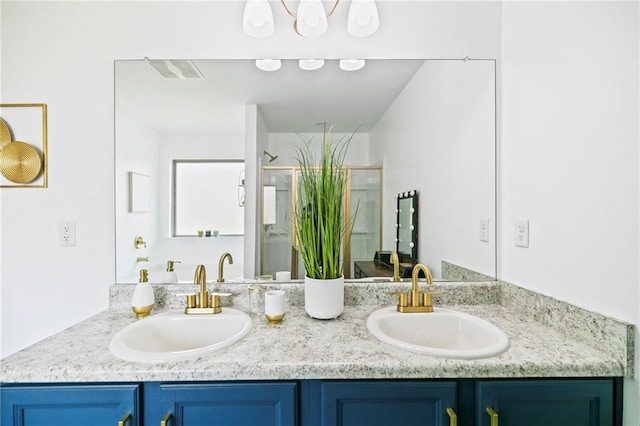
[271, 157]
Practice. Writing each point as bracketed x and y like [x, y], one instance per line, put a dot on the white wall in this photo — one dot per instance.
[281, 144]
[252, 145]
[445, 118]
[569, 151]
[138, 154]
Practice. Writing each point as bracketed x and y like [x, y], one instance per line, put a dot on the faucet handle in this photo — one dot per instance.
[191, 299]
[403, 298]
[215, 301]
[426, 299]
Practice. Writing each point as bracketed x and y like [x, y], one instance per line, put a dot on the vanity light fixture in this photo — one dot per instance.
[311, 20]
[311, 64]
[268, 64]
[363, 19]
[257, 20]
[351, 64]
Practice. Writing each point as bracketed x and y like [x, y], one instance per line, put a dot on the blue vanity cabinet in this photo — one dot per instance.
[70, 405]
[562, 402]
[424, 402]
[223, 403]
[378, 402]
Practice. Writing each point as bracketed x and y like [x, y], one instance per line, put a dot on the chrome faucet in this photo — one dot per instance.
[201, 304]
[221, 266]
[417, 305]
[395, 261]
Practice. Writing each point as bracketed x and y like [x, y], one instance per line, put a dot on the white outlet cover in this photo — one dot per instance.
[67, 233]
[522, 233]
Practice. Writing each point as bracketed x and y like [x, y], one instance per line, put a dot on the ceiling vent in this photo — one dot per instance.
[181, 69]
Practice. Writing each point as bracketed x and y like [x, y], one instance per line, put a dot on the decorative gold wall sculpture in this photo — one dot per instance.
[23, 164]
[5, 134]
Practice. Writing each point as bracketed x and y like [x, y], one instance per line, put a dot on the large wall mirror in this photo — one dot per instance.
[429, 124]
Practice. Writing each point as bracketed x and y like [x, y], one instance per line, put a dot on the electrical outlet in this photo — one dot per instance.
[522, 233]
[67, 233]
[484, 230]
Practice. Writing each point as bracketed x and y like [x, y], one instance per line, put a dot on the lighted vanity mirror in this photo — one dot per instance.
[407, 225]
[431, 128]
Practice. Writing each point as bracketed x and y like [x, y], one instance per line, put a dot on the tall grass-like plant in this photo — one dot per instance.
[319, 221]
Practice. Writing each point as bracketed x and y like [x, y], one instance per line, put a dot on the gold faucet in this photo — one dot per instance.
[395, 261]
[204, 302]
[221, 266]
[417, 305]
[200, 278]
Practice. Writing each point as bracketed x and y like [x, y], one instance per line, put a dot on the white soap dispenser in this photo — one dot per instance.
[170, 275]
[143, 298]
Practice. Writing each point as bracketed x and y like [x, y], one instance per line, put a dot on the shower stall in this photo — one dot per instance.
[363, 196]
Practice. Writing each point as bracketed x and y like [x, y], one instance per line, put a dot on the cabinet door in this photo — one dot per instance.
[355, 403]
[546, 402]
[228, 404]
[77, 405]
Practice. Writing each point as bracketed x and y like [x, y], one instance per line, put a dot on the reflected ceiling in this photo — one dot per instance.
[289, 99]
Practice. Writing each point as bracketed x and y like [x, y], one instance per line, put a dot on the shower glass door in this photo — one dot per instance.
[363, 198]
[276, 232]
[365, 201]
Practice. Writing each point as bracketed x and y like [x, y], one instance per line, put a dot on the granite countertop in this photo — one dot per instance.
[304, 348]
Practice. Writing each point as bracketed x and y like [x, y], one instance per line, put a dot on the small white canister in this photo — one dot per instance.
[274, 305]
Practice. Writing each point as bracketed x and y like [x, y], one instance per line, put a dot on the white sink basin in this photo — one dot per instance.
[174, 336]
[444, 333]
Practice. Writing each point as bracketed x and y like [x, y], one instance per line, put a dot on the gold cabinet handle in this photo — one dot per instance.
[453, 417]
[165, 419]
[493, 416]
[124, 419]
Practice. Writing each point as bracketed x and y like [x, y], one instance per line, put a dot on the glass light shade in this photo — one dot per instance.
[311, 64]
[257, 20]
[351, 64]
[268, 64]
[363, 19]
[311, 19]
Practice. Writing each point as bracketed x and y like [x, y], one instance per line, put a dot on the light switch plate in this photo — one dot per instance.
[522, 233]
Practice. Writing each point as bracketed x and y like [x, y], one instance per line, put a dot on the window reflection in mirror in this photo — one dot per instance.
[208, 198]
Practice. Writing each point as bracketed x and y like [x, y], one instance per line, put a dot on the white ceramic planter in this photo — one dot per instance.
[324, 299]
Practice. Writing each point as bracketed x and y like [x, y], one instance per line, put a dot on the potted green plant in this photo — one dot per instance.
[320, 225]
